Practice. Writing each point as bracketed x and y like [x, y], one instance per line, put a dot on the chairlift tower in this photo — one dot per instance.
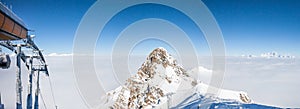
[14, 36]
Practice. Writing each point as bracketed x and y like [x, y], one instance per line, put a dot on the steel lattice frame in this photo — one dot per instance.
[35, 57]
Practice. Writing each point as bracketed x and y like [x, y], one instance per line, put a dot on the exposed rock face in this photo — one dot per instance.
[144, 89]
[244, 97]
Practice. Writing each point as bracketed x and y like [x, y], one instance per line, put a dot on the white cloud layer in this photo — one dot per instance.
[268, 81]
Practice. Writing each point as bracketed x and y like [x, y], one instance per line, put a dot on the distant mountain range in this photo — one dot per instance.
[270, 55]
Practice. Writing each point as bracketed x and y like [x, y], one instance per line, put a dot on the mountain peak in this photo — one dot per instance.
[158, 56]
[158, 80]
[158, 76]
[161, 56]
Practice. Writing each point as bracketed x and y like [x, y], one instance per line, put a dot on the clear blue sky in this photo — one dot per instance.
[248, 26]
[54, 21]
[255, 26]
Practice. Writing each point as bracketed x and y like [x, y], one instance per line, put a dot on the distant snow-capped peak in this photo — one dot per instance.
[270, 55]
[56, 54]
[275, 55]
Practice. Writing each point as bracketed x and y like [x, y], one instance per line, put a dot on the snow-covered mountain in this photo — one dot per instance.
[162, 83]
[275, 55]
[270, 55]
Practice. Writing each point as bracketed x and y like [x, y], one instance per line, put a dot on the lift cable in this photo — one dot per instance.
[52, 92]
[44, 103]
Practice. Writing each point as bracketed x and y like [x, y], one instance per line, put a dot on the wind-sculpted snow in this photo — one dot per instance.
[206, 102]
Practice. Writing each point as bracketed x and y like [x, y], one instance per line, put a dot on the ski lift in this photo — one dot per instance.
[4, 61]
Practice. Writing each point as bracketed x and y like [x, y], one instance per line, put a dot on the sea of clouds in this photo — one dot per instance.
[270, 81]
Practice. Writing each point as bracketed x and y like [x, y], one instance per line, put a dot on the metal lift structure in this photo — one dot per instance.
[14, 36]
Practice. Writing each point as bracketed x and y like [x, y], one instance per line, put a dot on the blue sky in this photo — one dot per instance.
[255, 26]
[128, 17]
[248, 26]
[54, 21]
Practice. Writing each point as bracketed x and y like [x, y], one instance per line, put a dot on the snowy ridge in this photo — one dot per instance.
[56, 54]
[161, 83]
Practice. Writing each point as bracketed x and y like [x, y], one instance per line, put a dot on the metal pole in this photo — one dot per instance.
[1, 105]
[36, 102]
[29, 96]
[18, 80]
[0, 99]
